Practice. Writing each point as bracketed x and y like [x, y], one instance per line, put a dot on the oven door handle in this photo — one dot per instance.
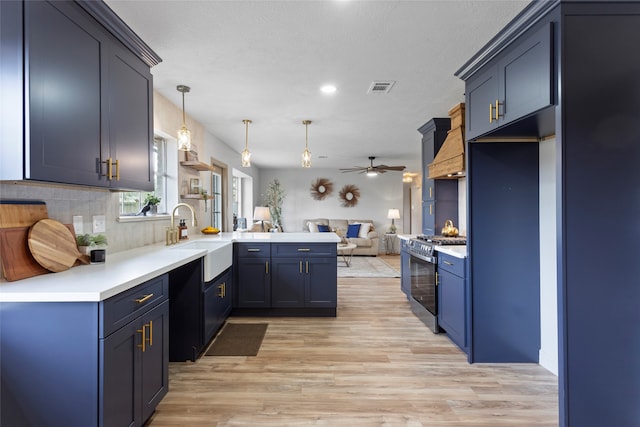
[427, 258]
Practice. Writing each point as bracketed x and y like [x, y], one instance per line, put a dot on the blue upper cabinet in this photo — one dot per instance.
[87, 98]
[439, 197]
[513, 86]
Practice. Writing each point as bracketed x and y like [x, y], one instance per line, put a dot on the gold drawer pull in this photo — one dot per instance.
[144, 298]
[448, 263]
[253, 250]
[304, 250]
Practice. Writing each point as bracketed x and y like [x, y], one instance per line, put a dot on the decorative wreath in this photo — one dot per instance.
[349, 196]
[321, 188]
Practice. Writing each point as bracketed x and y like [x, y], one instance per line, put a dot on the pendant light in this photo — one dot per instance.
[245, 157]
[184, 134]
[306, 154]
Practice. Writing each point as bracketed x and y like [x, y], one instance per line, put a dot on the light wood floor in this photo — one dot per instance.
[375, 364]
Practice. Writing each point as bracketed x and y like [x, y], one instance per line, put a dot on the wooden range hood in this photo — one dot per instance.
[449, 162]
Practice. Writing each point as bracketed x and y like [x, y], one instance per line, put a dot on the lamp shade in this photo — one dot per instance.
[393, 214]
[261, 213]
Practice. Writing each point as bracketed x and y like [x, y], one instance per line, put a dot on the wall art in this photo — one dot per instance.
[321, 188]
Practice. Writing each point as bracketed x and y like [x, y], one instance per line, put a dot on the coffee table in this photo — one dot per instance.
[346, 251]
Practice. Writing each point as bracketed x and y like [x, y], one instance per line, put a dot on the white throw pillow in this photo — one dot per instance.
[364, 229]
[313, 227]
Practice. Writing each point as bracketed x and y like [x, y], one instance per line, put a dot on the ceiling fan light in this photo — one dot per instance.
[372, 173]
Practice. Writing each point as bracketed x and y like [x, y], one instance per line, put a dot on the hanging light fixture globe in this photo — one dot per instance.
[184, 134]
[245, 157]
[306, 154]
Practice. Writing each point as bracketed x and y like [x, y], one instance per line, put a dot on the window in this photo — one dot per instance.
[216, 202]
[132, 202]
[242, 199]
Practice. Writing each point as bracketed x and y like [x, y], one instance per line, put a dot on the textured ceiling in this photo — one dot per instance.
[266, 60]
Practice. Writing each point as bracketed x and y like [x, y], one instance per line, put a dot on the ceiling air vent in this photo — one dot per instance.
[381, 86]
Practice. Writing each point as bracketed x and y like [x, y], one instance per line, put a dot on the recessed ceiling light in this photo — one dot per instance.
[328, 89]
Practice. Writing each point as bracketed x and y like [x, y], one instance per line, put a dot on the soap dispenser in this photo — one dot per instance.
[182, 230]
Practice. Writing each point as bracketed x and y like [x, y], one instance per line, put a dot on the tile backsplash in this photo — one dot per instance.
[64, 202]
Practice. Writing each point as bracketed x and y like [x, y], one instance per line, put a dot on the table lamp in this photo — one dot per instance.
[393, 215]
[261, 213]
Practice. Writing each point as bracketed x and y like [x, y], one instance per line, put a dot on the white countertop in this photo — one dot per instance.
[124, 270]
[458, 251]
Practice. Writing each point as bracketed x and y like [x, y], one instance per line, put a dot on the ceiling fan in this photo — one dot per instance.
[373, 170]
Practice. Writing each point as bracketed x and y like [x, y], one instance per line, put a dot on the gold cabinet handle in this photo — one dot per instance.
[307, 266]
[448, 263]
[109, 173]
[437, 279]
[253, 250]
[144, 298]
[150, 339]
[430, 209]
[221, 289]
[117, 170]
[430, 192]
[498, 115]
[144, 337]
[304, 250]
[490, 113]
[300, 267]
[266, 267]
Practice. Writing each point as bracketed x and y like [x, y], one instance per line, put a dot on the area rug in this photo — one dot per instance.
[238, 339]
[366, 267]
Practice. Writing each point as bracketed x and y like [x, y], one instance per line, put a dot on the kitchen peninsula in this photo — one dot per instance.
[101, 331]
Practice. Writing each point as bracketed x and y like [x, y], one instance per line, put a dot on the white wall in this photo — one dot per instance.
[548, 355]
[377, 195]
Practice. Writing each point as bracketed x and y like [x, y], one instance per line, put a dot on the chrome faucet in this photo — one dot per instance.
[172, 232]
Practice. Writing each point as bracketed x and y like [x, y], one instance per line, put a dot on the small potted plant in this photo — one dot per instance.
[151, 201]
[88, 242]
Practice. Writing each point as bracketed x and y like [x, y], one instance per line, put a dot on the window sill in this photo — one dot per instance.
[133, 218]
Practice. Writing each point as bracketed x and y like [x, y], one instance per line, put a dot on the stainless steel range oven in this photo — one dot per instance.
[422, 265]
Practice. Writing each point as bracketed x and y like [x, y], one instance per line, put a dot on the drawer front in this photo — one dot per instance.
[253, 250]
[121, 309]
[451, 264]
[306, 250]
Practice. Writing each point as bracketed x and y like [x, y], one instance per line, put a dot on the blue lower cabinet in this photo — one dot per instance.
[135, 373]
[85, 363]
[285, 279]
[405, 269]
[216, 304]
[452, 299]
[304, 282]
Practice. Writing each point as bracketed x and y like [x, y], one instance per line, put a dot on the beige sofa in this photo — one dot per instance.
[366, 243]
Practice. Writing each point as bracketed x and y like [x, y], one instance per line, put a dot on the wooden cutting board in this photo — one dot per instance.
[21, 213]
[17, 262]
[54, 246]
[15, 257]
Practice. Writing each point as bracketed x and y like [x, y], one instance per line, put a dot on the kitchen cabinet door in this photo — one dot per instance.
[320, 288]
[130, 121]
[405, 272]
[253, 284]
[481, 95]
[135, 369]
[287, 285]
[65, 53]
[154, 383]
[216, 304]
[452, 306]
